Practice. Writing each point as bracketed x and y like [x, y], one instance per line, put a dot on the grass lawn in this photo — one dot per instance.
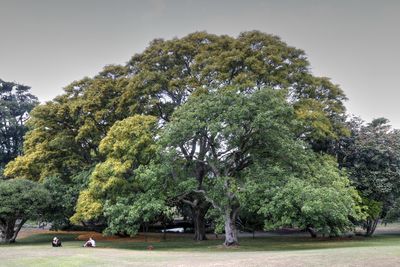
[35, 250]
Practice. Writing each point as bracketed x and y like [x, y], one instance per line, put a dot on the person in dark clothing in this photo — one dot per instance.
[56, 242]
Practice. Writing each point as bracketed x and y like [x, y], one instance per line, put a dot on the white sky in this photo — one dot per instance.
[47, 44]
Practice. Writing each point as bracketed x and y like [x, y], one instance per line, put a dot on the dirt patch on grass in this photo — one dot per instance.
[99, 237]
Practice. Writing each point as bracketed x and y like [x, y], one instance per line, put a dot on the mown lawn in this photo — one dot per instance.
[185, 243]
[35, 250]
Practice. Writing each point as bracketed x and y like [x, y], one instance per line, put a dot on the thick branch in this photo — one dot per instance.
[209, 199]
[184, 152]
[214, 168]
[16, 231]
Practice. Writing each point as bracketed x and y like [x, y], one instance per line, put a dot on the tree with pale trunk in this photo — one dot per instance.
[226, 132]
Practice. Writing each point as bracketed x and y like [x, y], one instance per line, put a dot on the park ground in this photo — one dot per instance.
[33, 249]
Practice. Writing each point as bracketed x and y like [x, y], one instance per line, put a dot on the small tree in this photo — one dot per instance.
[20, 200]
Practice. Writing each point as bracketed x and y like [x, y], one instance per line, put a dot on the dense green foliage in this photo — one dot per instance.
[66, 132]
[64, 195]
[231, 132]
[372, 157]
[321, 201]
[62, 145]
[128, 144]
[20, 200]
[168, 72]
[227, 132]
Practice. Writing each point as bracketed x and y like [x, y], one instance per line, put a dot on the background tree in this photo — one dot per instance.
[62, 144]
[66, 132]
[15, 104]
[372, 157]
[20, 200]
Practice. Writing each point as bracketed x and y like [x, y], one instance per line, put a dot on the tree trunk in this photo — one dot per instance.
[145, 230]
[370, 226]
[9, 231]
[231, 238]
[311, 231]
[165, 231]
[198, 214]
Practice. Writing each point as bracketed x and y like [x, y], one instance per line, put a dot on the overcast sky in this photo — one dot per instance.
[47, 44]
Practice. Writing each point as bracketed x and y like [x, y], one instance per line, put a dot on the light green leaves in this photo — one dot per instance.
[129, 144]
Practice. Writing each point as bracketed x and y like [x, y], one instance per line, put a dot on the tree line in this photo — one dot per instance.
[236, 132]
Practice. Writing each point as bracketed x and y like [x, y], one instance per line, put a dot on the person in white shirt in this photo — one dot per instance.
[90, 243]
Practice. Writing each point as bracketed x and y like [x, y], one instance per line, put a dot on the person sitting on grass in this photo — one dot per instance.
[90, 243]
[56, 242]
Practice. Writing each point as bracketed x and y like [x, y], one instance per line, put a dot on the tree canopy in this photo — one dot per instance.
[228, 133]
[372, 157]
[128, 145]
[320, 200]
[66, 132]
[20, 200]
[15, 104]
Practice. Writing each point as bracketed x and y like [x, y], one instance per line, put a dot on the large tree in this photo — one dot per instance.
[15, 104]
[20, 200]
[67, 131]
[168, 72]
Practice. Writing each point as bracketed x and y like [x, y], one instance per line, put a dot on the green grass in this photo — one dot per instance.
[260, 244]
[40, 239]
[380, 250]
[184, 243]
